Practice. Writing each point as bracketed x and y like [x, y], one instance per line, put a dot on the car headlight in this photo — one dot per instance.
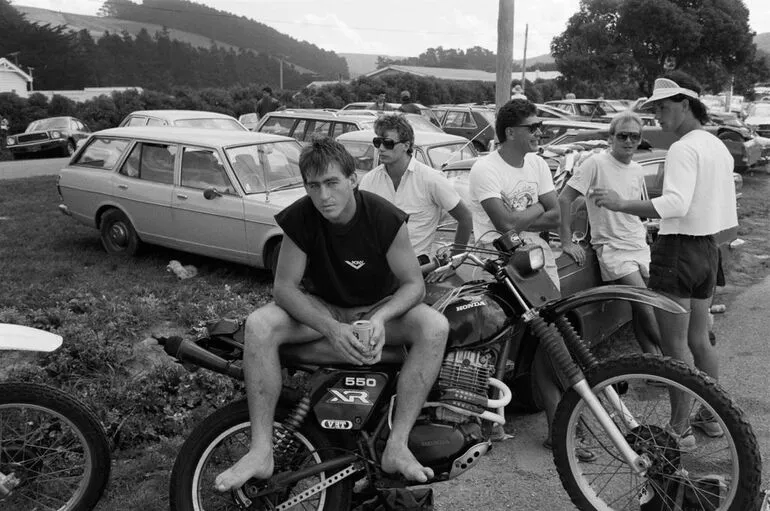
[55, 134]
[528, 260]
[10, 141]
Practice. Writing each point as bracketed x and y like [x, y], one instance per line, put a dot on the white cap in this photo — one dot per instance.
[665, 88]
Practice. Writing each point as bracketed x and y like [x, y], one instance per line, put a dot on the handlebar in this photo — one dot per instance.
[445, 262]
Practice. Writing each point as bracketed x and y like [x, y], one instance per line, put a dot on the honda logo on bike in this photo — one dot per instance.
[349, 397]
[336, 424]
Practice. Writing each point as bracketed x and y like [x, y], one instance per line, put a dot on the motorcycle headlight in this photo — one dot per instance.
[55, 134]
[529, 259]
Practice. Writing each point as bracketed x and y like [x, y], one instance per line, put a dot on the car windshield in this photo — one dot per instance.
[262, 167]
[210, 123]
[420, 123]
[55, 123]
[440, 155]
[363, 153]
[248, 118]
[760, 110]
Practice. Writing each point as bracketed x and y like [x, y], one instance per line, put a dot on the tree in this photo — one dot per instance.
[623, 45]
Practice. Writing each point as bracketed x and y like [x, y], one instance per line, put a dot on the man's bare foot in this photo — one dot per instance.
[254, 464]
[400, 459]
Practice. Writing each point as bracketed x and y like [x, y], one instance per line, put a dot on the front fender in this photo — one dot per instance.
[612, 292]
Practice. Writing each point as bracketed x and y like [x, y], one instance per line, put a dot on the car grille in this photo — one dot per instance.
[763, 130]
[32, 137]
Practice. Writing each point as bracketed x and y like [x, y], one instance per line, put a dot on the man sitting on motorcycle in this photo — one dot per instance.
[345, 256]
[512, 188]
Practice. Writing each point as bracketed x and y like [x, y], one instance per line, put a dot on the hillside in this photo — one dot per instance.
[97, 26]
[763, 42]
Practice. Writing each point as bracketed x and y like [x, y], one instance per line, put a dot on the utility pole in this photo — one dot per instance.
[504, 52]
[524, 62]
[280, 75]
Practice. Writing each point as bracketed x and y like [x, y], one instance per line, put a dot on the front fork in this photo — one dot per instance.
[553, 341]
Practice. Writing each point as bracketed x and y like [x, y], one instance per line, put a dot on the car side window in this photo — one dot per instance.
[420, 156]
[137, 121]
[102, 153]
[202, 168]
[155, 122]
[277, 126]
[151, 162]
[338, 129]
[468, 121]
[653, 178]
[318, 128]
[299, 130]
[454, 119]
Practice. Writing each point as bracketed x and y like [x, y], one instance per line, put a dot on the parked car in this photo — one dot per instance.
[54, 134]
[431, 148]
[249, 121]
[758, 118]
[745, 150]
[207, 192]
[593, 110]
[476, 123]
[553, 128]
[182, 119]
[303, 124]
[552, 112]
[364, 105]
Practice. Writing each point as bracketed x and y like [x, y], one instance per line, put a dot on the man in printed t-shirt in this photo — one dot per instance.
[345, 256]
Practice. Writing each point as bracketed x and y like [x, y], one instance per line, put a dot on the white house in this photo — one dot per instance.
[13, 79]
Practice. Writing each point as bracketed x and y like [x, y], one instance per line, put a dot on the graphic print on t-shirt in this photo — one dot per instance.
[521, 197]
[356, 265]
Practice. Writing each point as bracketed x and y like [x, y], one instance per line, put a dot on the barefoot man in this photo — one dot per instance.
[345, 256]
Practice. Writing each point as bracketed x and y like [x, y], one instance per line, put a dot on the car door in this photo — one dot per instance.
[460, 122]
[215, 226]
[143, 187]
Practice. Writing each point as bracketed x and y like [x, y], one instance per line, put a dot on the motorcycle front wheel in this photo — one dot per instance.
[55, 448]
[222, 439]
[703, 471]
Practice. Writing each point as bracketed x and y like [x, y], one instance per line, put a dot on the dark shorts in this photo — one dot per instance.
[684, 266]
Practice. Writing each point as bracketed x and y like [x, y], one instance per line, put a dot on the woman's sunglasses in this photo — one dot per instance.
[388, 143]
[623, 136]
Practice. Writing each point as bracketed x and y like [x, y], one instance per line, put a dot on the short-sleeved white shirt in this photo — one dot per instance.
[698, 195]
[424, 194]
[518, 188]
[613, 228]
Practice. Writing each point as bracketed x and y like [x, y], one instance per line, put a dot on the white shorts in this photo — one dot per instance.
[617, 263]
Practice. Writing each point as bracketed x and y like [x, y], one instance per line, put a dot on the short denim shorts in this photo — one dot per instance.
[684, 266]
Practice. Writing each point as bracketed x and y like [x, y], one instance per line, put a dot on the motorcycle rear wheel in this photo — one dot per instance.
[54, 445]
[727, 469]
[221, 439]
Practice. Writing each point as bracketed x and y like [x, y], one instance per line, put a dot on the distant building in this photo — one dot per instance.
[13, 79]
[465, 75]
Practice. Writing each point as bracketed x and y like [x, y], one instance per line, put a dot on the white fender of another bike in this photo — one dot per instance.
[18, 337]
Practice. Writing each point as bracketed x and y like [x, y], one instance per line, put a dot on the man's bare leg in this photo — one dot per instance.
[644, 321]
[428, 330]
[673, 344]
[266, 329]
[704, 354]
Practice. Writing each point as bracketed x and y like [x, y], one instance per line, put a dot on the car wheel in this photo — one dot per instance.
[118, 235]
[731, 136]
[69, 150]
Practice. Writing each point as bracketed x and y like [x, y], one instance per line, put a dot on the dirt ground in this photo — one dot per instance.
[518, 473]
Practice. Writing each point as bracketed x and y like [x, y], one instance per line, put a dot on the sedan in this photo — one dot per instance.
[433, 149]
[183, 119]
[207, 192]
[59, 134]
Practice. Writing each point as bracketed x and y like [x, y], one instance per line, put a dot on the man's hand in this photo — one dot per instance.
[439, 275]
[346, 344]
[575, 251]
[605, 198]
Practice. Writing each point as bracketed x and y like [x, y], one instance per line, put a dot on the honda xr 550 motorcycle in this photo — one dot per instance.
[331, 429]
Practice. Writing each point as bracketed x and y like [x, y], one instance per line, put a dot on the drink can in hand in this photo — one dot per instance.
[363, 330]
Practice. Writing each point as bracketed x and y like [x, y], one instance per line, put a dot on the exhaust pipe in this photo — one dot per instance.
[185, 350]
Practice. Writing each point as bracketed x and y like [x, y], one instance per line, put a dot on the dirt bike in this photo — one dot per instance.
[54, 453]
[330, 429]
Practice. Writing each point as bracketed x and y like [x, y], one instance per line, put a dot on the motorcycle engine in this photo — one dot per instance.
[447, 436]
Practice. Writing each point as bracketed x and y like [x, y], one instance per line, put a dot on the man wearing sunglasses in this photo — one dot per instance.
[512, 188]
[420, 191]
[619, 239]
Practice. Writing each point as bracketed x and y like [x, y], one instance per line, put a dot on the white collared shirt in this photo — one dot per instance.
[423, 193]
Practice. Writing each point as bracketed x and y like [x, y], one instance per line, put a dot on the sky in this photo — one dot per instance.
[401, 27]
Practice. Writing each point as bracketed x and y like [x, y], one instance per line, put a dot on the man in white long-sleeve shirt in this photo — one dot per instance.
[697, 201]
